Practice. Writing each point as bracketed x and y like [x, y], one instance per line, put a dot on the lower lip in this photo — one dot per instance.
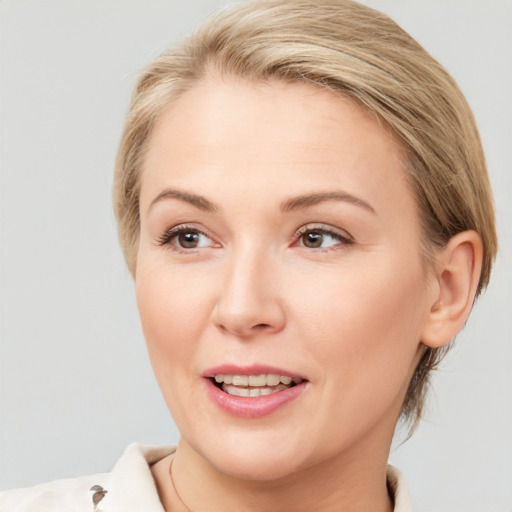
[253, 407]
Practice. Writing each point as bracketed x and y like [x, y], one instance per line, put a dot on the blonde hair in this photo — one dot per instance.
[359, 53]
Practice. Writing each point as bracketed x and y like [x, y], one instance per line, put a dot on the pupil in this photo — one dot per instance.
[313, 240]
[188, 240]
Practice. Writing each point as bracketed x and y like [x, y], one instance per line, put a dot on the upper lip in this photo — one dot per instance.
[253, 369]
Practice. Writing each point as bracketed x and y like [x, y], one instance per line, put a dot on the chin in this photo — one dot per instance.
[257, 467]
[253, 456]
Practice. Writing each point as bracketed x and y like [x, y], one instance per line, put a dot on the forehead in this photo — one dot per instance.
[271, 136]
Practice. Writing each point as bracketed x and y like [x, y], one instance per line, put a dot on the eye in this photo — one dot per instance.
[191, 240]
[322, 238]
[183, 238]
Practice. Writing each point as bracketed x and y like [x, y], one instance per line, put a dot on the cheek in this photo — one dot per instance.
[363, 329]
[173, 310]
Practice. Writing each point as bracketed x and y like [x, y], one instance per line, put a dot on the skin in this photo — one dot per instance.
[348, 315]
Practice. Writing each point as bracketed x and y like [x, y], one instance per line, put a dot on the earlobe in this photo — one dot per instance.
[458, 270]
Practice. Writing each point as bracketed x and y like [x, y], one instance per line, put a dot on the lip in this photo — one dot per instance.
[253, 369]
[252, 407]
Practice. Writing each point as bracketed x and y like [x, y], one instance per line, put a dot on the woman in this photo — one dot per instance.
[303, 203]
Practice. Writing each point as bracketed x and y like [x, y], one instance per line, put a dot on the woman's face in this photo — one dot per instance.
[279, 238]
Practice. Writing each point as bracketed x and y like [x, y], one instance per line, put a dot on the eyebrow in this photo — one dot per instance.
[305, 201]
[294, 203]
[195, 200]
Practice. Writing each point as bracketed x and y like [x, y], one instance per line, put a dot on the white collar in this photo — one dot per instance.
[130, 486]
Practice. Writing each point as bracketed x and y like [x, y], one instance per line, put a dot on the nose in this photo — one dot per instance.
[250, 301]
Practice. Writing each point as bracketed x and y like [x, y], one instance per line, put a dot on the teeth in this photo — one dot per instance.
[257, 380]
[236, 391]
[251, 392]
[227, 379]
[273, 380]
[270, 379]
[255, 385]
[240, 380]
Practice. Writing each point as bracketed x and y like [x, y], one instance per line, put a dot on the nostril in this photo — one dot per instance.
[261, 326]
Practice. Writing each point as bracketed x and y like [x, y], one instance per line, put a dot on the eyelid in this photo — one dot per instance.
[341, 234]
[166, 237]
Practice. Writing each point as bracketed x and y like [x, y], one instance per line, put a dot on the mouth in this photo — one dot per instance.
[253, 391]
[254, 385]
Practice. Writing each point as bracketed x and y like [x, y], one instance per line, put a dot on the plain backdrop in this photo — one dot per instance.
[76, 384]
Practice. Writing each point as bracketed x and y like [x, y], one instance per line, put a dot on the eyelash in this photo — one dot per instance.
[343, 239]
[168, 236]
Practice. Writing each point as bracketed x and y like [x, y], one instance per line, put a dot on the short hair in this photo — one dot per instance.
[353, 51]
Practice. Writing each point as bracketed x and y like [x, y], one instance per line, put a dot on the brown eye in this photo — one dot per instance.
[183, 238]
[313, 239]
[318, 238]
[188, 240]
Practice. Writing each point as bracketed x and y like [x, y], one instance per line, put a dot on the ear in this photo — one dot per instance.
[458, 268]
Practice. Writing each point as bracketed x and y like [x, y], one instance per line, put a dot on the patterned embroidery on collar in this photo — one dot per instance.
[99, 494]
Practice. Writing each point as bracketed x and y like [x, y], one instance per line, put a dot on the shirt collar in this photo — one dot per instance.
[399, 489]
[132, 488]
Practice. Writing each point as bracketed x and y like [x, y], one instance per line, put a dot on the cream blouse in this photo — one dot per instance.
[129, 487]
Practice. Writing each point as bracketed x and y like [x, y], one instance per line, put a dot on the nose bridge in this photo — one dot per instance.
[249, 301]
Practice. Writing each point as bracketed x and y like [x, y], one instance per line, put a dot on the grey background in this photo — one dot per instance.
[76, 385]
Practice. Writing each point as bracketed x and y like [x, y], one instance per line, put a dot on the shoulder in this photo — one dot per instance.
[73, 495]
[398, 490]
[129, 486]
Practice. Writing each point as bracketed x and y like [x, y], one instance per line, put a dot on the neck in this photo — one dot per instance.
[349, 483]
